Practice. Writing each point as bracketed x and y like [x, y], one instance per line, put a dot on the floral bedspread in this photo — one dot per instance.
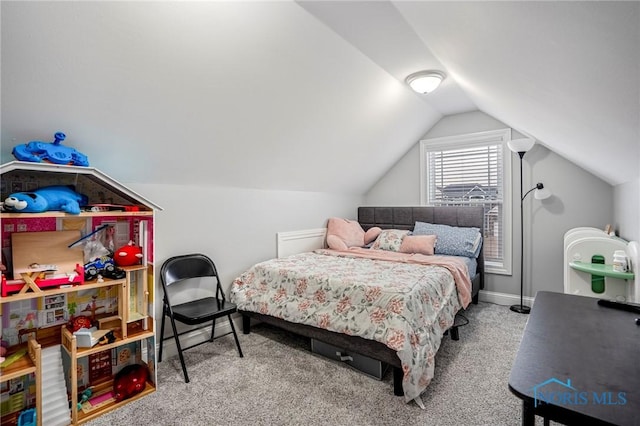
[405, 305]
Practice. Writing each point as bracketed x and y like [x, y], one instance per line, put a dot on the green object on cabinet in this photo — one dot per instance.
[601, 270]
[597, 281]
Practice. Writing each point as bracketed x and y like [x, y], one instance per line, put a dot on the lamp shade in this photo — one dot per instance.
[521, 145]
[541, 193]
[425, 81]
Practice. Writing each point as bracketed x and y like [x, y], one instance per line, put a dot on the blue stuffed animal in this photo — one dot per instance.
[48, 198]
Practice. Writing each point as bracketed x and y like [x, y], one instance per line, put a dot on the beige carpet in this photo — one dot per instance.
[280, 382]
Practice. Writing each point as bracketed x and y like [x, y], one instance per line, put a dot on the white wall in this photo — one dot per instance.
[251, 94]
[579, 199]
[401, 184]
[236, 227]
[626, 198]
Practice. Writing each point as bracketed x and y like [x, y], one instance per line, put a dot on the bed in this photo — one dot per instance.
[412, 369]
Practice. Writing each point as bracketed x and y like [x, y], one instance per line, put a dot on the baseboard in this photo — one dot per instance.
[195, 336]
[505, 299]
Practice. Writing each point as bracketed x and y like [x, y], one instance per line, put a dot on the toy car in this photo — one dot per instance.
[104, 266]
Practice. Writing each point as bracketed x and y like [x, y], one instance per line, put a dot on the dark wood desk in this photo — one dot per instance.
[578, 363]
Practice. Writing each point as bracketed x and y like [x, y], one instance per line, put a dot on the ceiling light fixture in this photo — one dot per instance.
[425, 81]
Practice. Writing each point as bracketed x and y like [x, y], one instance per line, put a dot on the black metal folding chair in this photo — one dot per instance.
[184, 272]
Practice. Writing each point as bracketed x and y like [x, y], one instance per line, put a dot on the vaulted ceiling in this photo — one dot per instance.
[311, 95]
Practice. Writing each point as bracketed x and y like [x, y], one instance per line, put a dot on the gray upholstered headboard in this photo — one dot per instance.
[406, 217]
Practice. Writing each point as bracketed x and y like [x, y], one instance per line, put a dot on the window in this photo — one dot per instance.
[473, 169]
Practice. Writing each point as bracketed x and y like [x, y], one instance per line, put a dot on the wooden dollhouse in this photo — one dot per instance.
[39, 307]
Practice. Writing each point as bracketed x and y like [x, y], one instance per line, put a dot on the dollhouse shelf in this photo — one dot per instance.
[77, 176]
[26, 364]
[85, 417]
[68, 341]
[42, 293]
[82, 214]
[601, 270]
[29, 363]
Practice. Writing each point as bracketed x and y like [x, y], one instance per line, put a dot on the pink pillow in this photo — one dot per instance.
[423, 244]
[372, 234]
[344, 233]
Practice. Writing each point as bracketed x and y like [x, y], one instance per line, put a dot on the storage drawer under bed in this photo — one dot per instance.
[366, 365]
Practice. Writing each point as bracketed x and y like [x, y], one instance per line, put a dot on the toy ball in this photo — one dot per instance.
[50, 152]
[128, 255]
[130, 381]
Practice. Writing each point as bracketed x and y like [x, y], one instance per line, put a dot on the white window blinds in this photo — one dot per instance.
[464, 176]
[471, 171]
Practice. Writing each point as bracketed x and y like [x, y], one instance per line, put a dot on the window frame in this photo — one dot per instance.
[501, 136]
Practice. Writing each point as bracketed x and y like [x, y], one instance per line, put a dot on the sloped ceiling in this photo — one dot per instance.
[246, 94]
[311, 95]
[564, 73]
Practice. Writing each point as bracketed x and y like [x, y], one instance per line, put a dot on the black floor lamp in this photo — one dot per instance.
[521, 146]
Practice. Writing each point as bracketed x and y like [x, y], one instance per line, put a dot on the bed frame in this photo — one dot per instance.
[387, 218]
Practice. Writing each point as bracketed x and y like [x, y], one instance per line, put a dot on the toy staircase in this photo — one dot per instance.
[55, 405]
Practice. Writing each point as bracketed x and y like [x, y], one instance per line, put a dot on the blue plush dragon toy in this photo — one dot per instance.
[52, 152]
[57, 197]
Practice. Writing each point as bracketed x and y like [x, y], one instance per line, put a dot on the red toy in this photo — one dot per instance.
[76, 323]
[15, 286]
[128, 255]
[130, 381]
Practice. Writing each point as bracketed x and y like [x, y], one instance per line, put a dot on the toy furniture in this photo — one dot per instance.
[46, 249]
[123, 305]
[176, 273]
